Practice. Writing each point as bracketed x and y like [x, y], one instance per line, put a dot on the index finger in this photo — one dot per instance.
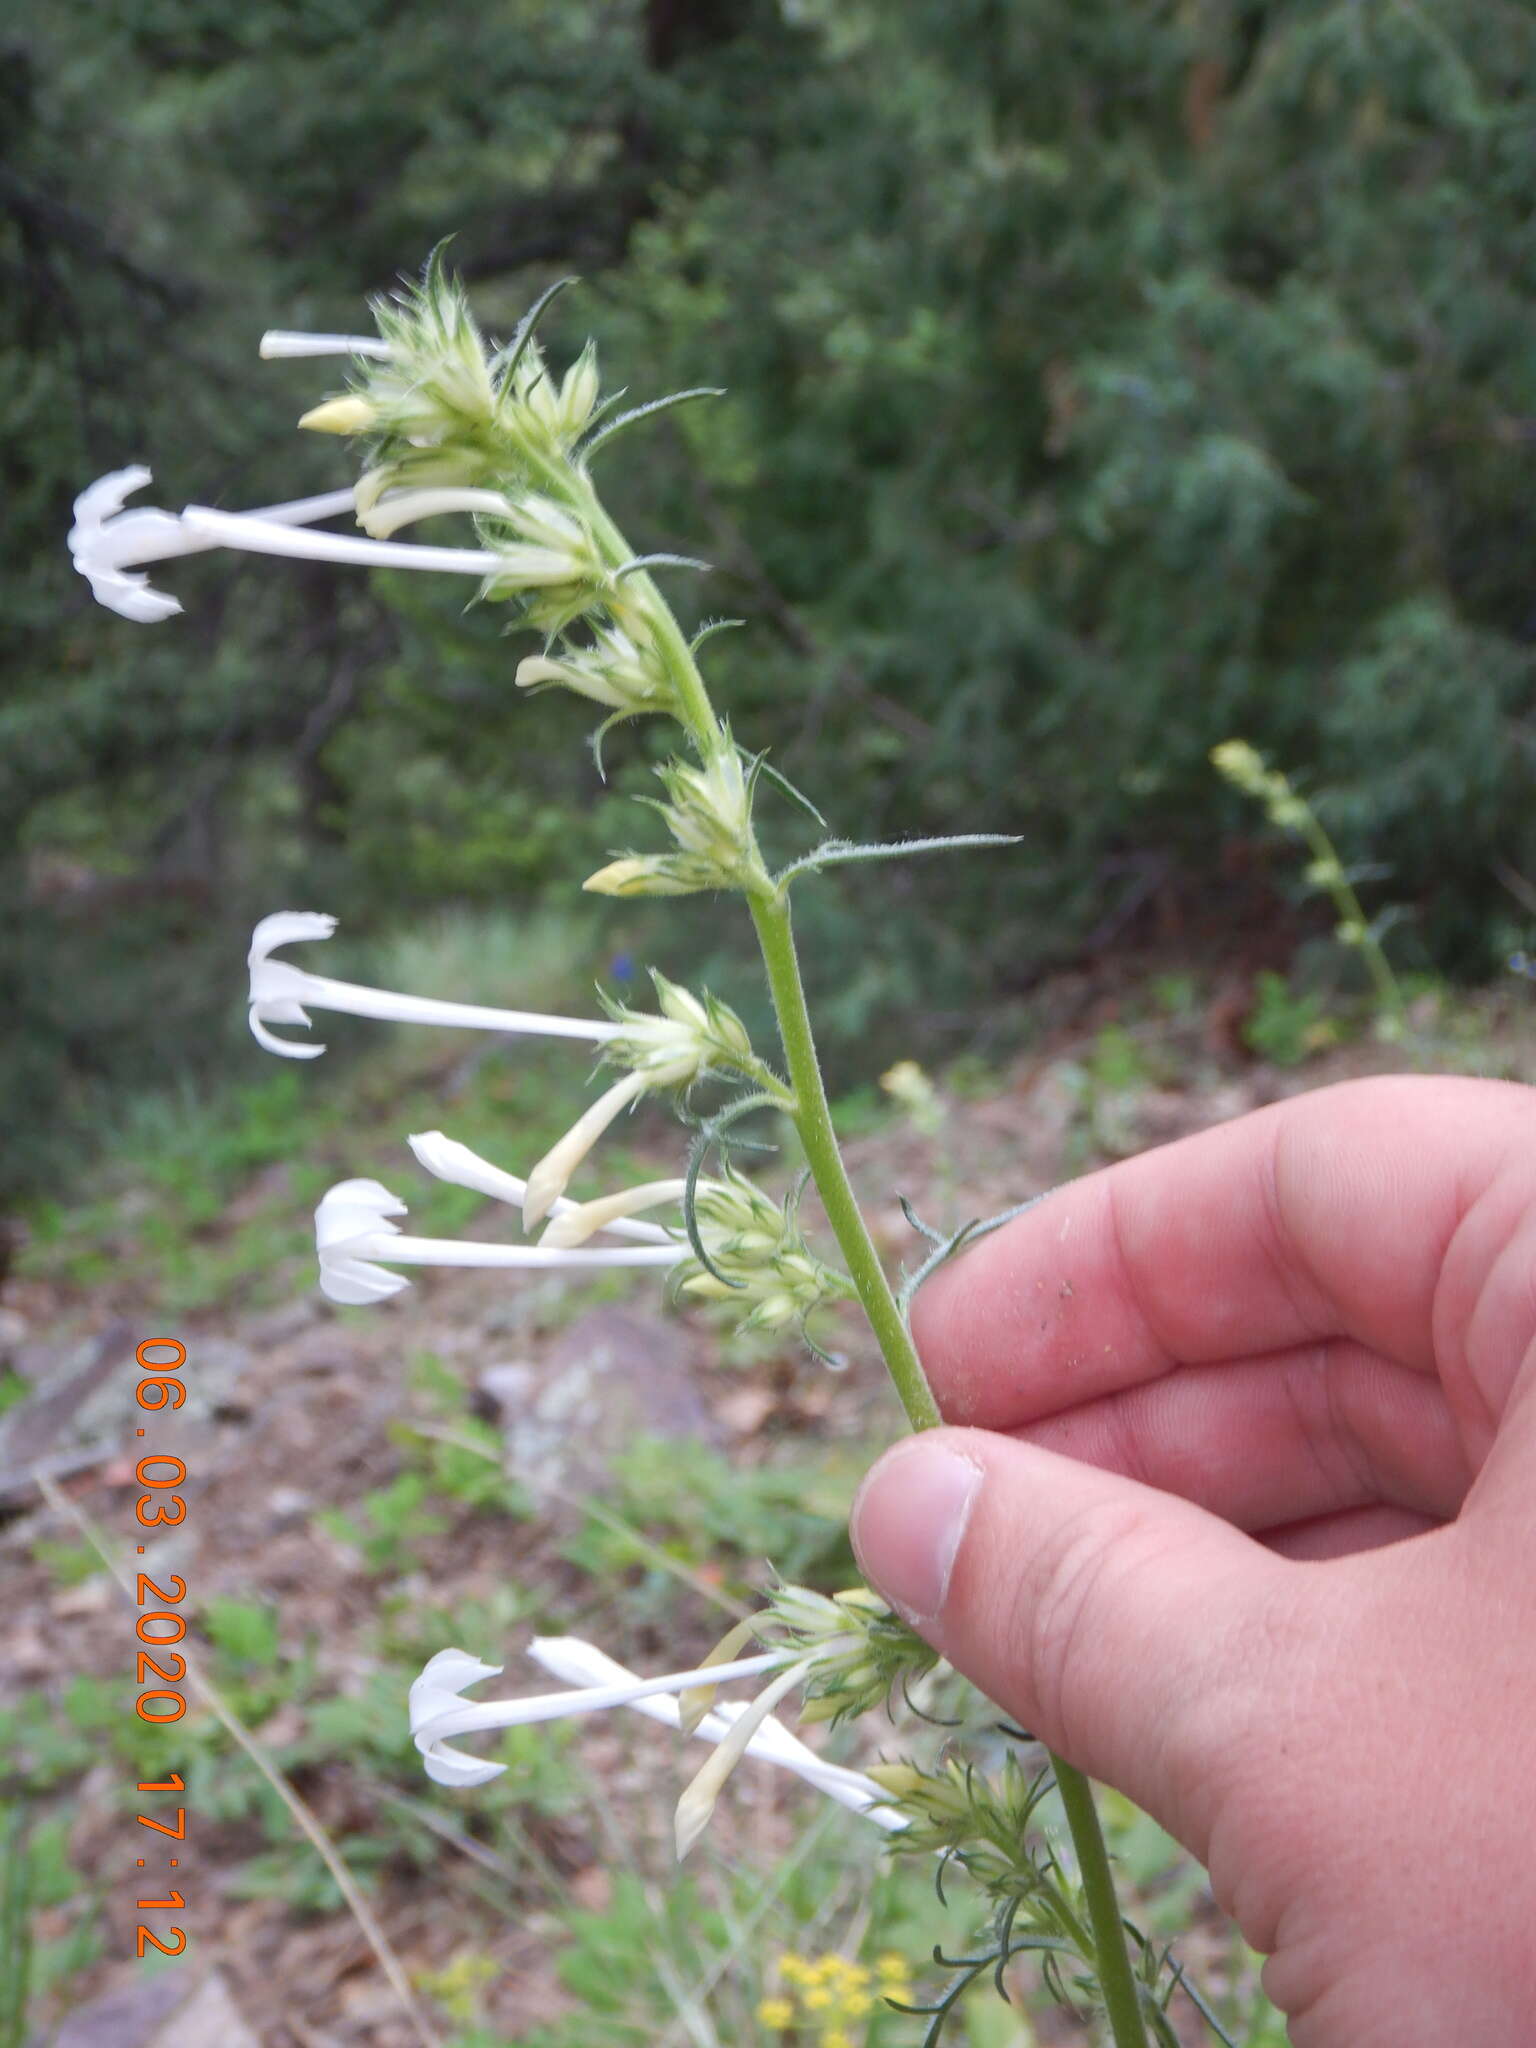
[1325, 1216]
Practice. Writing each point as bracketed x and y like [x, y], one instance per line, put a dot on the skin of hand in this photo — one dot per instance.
[1242, 1520]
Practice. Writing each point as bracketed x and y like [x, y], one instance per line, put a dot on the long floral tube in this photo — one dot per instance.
[270, 537]
[448, 1160]
[449, 1251]
[598, 1684]
[280, 342]
[294, 512]
[279, 992]
[354, 1000]
[356, 1243]
[582, 1663]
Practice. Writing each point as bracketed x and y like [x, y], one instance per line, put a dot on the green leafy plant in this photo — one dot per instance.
[452, 425]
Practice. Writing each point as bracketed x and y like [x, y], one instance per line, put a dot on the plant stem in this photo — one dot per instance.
[1117, 1982]
[1389, 994]
[813, 1121]
[812, 1117]
[693, 705]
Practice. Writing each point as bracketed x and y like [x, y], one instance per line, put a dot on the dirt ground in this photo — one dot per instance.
[297, 1410]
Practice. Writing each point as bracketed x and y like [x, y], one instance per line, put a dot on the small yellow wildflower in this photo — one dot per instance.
[776, 2012]
[893, 1968]
[856, 2003]
[817, 1998]
[836, 2037]
[793, 1969]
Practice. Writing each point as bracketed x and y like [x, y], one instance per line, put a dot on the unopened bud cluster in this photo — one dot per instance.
[758, 1257]
[862, 1650]
[708, 811]
[441, 408]
[688, 1036]
[611, 669]
[955, 1810]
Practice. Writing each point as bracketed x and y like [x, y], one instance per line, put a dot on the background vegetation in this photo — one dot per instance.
[1102, 382]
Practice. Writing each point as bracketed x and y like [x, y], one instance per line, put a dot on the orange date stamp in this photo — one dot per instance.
[159, 1625]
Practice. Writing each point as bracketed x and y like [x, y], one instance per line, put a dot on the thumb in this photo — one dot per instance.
[1135, 1633]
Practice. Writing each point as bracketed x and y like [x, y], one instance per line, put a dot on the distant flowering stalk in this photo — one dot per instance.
[1246, 769]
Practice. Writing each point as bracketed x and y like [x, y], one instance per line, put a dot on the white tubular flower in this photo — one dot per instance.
[575, 1222]
[280, 991]
[456, 1163]
[106, 542]
[351, 1222]
[279, 342]
[691, 1037]
[402, 508]
[438, 1713]
[549, 1178]
[355, 1241]
[268, 537]
[582, 1663]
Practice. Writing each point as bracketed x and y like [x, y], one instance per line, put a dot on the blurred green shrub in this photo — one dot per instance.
[1103, 382]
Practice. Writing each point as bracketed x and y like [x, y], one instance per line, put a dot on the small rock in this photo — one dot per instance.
[288, 1505]
[613, 1376]
[209, 2016]
[163, 2011]
[124, 2019]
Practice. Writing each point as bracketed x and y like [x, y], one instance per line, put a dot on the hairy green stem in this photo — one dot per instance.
[1117, 1981]
[812, 1117]
[813, 1121]
[693, 705]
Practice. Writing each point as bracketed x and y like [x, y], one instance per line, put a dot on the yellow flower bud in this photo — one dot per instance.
[899, 1780]
[350, 415]
[776, 2012]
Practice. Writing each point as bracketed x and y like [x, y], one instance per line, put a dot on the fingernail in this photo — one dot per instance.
[908, 1522]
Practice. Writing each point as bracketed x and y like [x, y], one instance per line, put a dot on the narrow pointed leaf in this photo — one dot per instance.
[643, 412]
[839, 852]
[513, 353]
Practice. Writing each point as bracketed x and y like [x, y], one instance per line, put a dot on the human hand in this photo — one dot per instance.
[1244, 1523]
